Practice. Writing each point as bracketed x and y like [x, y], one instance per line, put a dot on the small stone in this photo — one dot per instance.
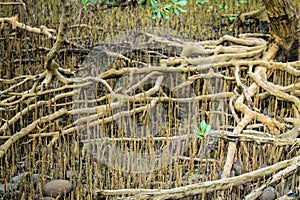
[37, 197]
[268, 194]
[292, 193]
[239, 168]
[57, 187]
[47, 198]
[263, 165]
[196, 177]
[7, 187]
[20, 177]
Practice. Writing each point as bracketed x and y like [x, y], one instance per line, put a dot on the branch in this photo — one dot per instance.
[25, 131]
[60, 37]
[31, 107]
[272, 89]
[261, 72]
[43, 30]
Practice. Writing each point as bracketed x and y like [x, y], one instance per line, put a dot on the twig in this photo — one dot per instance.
[25, 131]
[42, 30]
[26, 110]
[272, 89]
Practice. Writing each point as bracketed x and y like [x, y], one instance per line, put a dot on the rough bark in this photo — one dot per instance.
[284, 23]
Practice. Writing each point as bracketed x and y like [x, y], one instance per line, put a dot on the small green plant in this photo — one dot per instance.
[204, 130]
[86, 3]
[159, 9]
[163, 10]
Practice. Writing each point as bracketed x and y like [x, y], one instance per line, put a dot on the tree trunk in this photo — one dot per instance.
[285, 27]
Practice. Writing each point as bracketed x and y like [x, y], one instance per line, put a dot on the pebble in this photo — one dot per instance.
[263, 165]
[196, 177]
[57, 187]
[47, 198]
[24, 177]
[8, 187]
[268, 194]
[239, 168]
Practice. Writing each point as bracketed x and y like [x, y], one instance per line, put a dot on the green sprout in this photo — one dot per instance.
[204, 130]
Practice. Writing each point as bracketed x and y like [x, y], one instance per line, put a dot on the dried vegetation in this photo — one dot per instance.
[61, 107]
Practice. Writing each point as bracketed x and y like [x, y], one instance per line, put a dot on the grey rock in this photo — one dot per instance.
[20, 177]
[292, 193]
[17, 179]
[263, 165]
[25, 176]
[239, 168]
[196, 177]
[268, 193]
[8, 187]
[47, 198]
[57, 187]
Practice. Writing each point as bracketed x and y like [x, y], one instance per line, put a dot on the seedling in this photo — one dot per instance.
[204, 130]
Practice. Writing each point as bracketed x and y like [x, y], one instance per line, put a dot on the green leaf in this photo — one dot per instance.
[153, 16]
[181, 3]
[197, 131]
[154, 11]
[202, 125]
[154, 4]
[167, 6]
[165, 15]
[158, 14]
[181, 10]
[141, 1]
[200, 134]
[231, 18]
[176, 11]
[86, 3]
[207, 129]
[201, 1]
